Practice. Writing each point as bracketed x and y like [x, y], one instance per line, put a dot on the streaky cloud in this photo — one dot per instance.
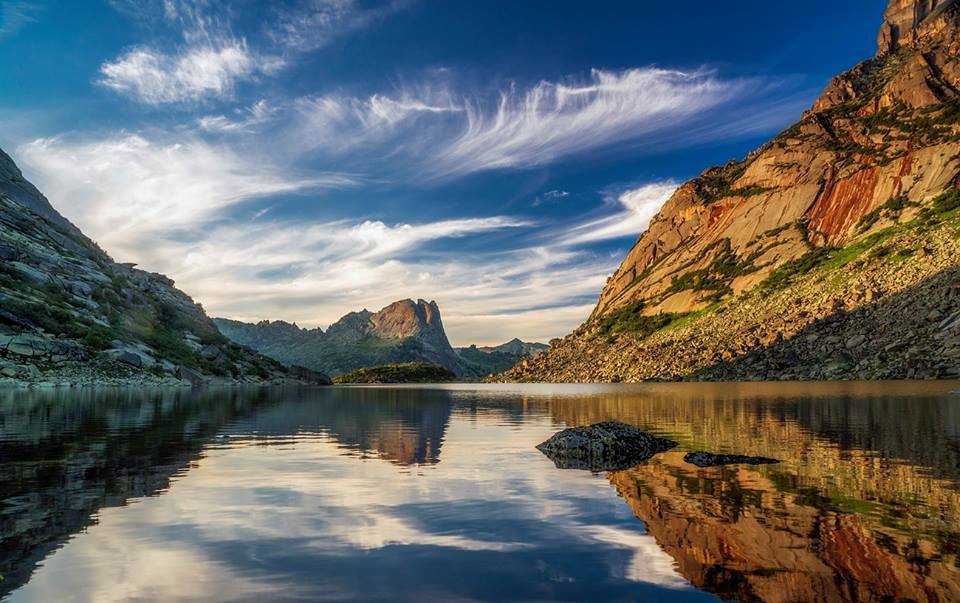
[15, 15]
[128, 190]
[637, 206]
[443, 132]
[191, 74]
[551, 120]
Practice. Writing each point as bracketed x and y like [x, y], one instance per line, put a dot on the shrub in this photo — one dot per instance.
[631, 319]
[785, 274]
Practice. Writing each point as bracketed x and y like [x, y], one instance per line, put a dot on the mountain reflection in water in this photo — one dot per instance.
[437, 492]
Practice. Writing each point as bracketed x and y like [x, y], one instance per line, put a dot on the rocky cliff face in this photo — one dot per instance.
[70, 315]
[873, 163]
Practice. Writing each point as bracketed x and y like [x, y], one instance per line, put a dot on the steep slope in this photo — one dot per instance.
[70, 315]
[404, 331]
[860, 195]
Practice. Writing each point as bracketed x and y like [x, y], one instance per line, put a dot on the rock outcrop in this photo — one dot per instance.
[607, 446]
[70, 315]
[866, 180]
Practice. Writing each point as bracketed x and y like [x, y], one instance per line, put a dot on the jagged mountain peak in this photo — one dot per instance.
[905, 22]
[406, 318]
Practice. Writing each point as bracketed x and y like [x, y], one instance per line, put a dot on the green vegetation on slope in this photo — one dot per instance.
[630, 319]
[411, 372]
[942, 208]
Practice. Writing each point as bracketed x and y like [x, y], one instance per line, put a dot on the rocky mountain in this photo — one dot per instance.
[486, 360]
[829, 252]
[70, 315]
[403, 332]
[515, 347]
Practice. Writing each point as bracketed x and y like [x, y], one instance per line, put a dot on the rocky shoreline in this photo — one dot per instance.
[891, 311]
[42, 361]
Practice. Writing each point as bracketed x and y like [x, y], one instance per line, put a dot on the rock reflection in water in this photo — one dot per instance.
[735, 532]
[392, 483]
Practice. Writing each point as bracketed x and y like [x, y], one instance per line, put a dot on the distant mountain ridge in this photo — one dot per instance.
[402, 332]
[516, 348]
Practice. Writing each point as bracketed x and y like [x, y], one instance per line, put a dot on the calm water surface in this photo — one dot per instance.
[437, 493]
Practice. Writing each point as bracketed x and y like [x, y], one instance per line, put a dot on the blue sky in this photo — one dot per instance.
[297, 160]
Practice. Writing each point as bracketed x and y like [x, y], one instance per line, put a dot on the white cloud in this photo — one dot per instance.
[335, 124]
[244, 120]
[192, 74]
[125, 190]
[638, 207]
[316, 274]
[15, 15]
[554, 119]
[443, 132]
[549, 197]
[312, 24]
[210, 61]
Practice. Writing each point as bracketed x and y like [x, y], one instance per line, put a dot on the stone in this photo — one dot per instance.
[189, 375]
[8, 371]
[20, 348]
[855, 342]
[710, 459]
[131, 358]
[211, 352]
[607, 446]
[896, 346]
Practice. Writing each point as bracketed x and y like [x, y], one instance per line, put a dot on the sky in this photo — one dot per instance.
[302, 159]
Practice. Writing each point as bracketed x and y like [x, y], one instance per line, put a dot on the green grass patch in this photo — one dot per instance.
[631, 319]
[717, 183]
[890, 210]
[716, 277]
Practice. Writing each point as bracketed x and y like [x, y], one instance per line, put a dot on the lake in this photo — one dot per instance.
[437, 493]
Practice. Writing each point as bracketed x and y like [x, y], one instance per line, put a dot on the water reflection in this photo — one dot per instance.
[413, 493]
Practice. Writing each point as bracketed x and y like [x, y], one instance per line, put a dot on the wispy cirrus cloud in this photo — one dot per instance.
[551, 120]
[210, 61]
[242, 120]
[312, 24]
[190, 74]
[15, 15]
[126, 189]
[443, 131]
[549, 197]
[635, 208]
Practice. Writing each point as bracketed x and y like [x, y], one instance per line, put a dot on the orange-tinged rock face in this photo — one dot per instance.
[903, 19]
[885, 128]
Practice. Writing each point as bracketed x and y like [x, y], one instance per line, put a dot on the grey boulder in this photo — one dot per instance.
[607, 446]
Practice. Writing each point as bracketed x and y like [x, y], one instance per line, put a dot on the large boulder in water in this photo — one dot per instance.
[607, 446]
